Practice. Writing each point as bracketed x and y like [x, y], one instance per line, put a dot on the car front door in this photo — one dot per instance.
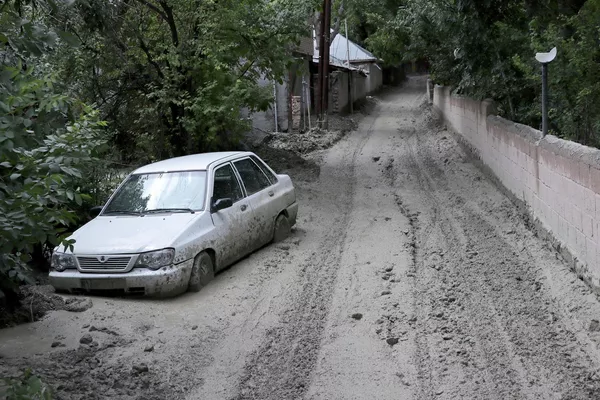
[232, 224]
[260, 195]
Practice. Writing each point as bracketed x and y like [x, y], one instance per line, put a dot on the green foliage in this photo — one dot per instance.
[485, 49]
[172, 77]
[48, 140]
[26, 387]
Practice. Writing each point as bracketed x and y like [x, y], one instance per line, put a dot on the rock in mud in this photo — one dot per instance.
[140, 368]
[55, 344]
[149, 348]
[194, 327]
[389, 269]
[357, 316]
[386, 292]
[594, 326]
[86, 339]
[375, 159]
[392, 341]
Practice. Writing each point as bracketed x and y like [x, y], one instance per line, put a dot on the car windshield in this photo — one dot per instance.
[160, 192]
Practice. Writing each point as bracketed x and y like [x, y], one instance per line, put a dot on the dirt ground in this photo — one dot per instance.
[410, 275]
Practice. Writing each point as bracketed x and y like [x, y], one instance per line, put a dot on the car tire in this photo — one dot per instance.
[282, 228]
[202, 272]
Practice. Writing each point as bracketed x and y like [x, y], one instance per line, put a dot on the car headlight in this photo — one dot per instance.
[155, 259]
[62, 261]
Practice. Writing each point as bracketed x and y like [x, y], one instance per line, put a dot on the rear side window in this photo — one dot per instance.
[266, 170]
[252, 176]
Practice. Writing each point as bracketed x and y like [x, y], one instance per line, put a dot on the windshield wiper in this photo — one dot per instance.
[124, 212]
[158, 210]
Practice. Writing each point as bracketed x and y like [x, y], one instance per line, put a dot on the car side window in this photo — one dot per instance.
[226, 184]
[252, 176]
[264, 169]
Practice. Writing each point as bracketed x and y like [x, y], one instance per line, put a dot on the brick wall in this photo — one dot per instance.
[558, 180]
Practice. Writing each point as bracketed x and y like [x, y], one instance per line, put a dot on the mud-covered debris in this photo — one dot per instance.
[375, 159]
[149, 348]
[392, 341]
[386, 292]
[37, 301]
[55, 344]
[357, 316]
[194, 327]
[389, 269]
[594, 326]
[104, 330]
[140, 368]
[284, 247]
[86, 339]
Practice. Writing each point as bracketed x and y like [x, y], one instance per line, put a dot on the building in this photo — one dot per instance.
[293, 100]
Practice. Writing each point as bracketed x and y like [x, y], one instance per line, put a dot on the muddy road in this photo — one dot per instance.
[410, 275]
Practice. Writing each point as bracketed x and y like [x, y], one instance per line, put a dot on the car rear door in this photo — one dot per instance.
[232, 225]
[262, 197]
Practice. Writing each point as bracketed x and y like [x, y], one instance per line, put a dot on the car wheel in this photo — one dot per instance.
[282, 228]
[202, 272]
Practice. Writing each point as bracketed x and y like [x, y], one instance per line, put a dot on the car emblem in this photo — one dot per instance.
[102, 259]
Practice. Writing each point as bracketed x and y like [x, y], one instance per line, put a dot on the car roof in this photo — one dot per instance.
[192, 162]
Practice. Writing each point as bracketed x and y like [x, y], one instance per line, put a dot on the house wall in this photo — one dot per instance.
[265, 120]
[374, 80]
[359, 86]
[339, 95]
[558, 180]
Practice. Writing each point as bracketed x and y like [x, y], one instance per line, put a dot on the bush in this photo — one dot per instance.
[26, 387]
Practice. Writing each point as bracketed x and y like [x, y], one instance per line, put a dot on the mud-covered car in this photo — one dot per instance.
[172, 224]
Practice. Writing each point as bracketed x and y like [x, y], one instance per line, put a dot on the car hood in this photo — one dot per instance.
[130, 234]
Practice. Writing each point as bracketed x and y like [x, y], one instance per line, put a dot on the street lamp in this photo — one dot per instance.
[545, 59]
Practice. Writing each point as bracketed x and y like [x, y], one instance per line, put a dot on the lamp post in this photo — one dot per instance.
[545, 59]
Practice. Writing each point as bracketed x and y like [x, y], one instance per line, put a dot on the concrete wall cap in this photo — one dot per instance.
[524, 131]
[572, 150]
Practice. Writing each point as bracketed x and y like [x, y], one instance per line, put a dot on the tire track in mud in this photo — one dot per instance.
[485, 329]
[281, 367]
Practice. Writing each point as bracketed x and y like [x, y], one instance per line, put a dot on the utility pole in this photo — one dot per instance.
[326, 28]
[321, 39]
[350, 94]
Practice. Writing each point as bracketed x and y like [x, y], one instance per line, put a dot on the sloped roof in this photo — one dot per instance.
[340, 49]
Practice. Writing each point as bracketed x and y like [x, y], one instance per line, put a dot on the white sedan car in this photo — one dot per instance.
[172, 224]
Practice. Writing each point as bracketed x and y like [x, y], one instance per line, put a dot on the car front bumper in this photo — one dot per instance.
[165, 282]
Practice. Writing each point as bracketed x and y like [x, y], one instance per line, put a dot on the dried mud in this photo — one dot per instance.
[409, 275]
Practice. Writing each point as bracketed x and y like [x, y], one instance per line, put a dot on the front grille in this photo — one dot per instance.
[113, 264]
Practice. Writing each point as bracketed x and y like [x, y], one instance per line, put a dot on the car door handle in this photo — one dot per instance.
[271, 193]
[243, 207]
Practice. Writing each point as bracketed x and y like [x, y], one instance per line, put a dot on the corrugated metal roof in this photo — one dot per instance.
[341, 47]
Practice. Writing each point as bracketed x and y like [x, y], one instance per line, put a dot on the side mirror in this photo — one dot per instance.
[221, 204]
[95, 211]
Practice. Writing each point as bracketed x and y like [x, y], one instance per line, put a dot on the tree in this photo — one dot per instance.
[172, 77]
[46, 140]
